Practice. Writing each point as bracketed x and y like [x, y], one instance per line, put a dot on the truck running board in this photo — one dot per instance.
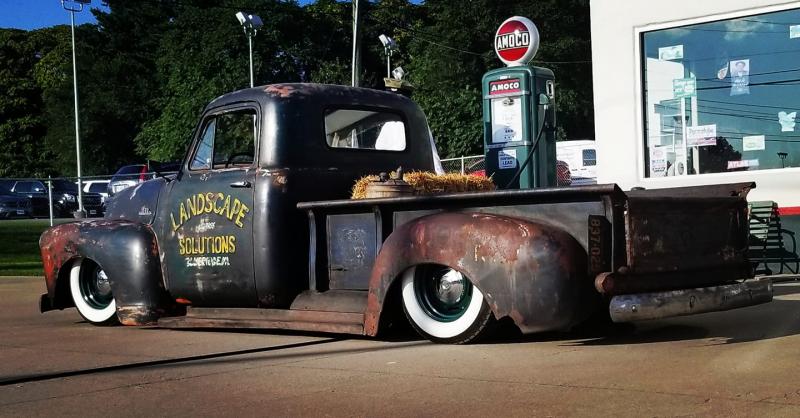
[299, 320]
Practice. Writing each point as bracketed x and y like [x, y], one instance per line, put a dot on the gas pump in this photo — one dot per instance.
[519, 118]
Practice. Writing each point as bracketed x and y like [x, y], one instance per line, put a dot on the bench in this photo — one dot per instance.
[766, 244]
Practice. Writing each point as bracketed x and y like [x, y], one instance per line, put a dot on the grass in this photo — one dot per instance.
[19, 246]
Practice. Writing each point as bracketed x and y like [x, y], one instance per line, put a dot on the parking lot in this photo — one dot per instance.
[738, 363]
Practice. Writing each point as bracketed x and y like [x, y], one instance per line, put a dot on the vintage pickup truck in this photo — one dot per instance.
[256, 230]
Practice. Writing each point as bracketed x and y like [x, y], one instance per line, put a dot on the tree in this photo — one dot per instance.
[22, 125]
[204, 54]
[452, 47]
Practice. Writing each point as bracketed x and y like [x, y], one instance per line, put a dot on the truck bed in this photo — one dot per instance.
[637, 241]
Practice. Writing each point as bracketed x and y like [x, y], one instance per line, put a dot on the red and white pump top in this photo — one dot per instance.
[516, 41]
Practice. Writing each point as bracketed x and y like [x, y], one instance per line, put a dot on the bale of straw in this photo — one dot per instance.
[427, 183]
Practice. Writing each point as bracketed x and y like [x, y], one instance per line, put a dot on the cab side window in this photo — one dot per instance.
[228, 141]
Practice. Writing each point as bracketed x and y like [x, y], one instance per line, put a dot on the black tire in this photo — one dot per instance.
[91, 293]
[444, 306]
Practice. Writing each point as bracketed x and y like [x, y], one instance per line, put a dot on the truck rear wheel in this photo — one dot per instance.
[91, 293]
[443, 305]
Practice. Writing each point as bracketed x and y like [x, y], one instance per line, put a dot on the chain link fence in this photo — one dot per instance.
[472, 164]
[58, 197]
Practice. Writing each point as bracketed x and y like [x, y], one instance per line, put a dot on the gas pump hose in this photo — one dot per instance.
[530, 154]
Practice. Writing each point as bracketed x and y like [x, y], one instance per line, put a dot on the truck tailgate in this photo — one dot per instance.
[669, 234]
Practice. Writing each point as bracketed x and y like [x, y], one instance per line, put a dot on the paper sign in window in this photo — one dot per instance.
[753, 143]
[701, 136]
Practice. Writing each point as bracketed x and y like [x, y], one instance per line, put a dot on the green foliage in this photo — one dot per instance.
[19, 246]
[147, 69]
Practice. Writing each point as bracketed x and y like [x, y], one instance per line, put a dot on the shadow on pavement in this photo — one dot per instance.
[776, 319]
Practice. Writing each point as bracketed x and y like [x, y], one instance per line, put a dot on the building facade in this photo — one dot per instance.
[699, 92]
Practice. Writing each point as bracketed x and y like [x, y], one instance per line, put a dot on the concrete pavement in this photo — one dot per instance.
[737, 363]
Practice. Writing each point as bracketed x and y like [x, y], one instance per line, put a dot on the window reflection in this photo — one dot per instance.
[722, 96]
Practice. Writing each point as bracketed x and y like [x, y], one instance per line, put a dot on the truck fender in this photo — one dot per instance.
[126, 251]
[536, 274]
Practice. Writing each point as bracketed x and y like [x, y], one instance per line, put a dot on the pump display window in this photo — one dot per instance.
[722, 96]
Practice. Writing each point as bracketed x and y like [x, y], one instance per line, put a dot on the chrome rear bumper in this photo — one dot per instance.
[657, 305]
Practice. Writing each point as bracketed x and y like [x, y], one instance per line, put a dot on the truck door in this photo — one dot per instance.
[207, 214]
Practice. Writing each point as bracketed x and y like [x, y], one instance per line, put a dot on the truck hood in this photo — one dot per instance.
[137, 203]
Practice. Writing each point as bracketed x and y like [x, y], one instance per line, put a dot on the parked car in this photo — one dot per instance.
[36, 193]
[65, 198]
[127, 176]
[97, 186]
[131, 175]
[13, 206]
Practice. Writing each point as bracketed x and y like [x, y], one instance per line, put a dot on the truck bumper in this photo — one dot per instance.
[657, 305]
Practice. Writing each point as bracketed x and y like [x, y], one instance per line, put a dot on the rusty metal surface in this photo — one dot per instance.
[354, 301]
[648, 306]
[496, 197]
[624, 282]
[128, 253]
[353, 245]
[711, 190]
[685, 233]
[532, 273]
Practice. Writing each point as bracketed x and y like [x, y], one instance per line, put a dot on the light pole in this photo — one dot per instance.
[73, 6]
[388, 47]
[782, 156]
[355, 77]
[250, 24]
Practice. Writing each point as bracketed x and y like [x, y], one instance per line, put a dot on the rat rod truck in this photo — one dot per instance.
[256, 230]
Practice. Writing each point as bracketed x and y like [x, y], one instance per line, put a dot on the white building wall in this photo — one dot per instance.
[616, 25]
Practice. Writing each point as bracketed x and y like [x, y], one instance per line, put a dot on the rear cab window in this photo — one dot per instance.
[365, 129]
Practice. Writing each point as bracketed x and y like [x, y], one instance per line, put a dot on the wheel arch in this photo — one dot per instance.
[126, 251]
[534, 273]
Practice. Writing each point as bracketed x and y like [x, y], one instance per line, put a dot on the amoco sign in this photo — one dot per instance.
[516, 41]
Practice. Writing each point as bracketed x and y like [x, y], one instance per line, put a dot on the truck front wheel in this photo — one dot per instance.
[443, 305]
[91, 293]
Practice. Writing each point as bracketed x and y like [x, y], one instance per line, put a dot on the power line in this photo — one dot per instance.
[742, 104]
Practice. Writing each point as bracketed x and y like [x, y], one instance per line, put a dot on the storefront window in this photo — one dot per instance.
[722, 96]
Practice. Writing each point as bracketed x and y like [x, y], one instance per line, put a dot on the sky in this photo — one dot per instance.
[35, 14]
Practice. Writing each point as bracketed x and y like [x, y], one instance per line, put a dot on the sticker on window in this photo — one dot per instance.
[740, 77]
[753, 143]
[787, 121]
[735, 165]
[670, 53]
[701, 136]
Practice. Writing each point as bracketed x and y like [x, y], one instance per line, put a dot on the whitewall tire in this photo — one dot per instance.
[443, 305]
[91, 293]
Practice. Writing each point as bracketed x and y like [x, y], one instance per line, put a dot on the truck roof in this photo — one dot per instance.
[321, 94]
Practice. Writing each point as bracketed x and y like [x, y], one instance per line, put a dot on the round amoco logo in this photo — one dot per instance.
[516, 41]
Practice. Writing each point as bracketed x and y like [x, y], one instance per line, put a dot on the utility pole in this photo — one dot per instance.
[356, 64]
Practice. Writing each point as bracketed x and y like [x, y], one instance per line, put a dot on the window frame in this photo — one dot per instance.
[205, 120]
[402, 117]
[639, 91]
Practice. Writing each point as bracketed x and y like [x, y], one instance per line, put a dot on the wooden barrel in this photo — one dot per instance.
[389, 188]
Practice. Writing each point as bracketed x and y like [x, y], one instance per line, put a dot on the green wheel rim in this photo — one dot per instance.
[443, 293]
[95, 288]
